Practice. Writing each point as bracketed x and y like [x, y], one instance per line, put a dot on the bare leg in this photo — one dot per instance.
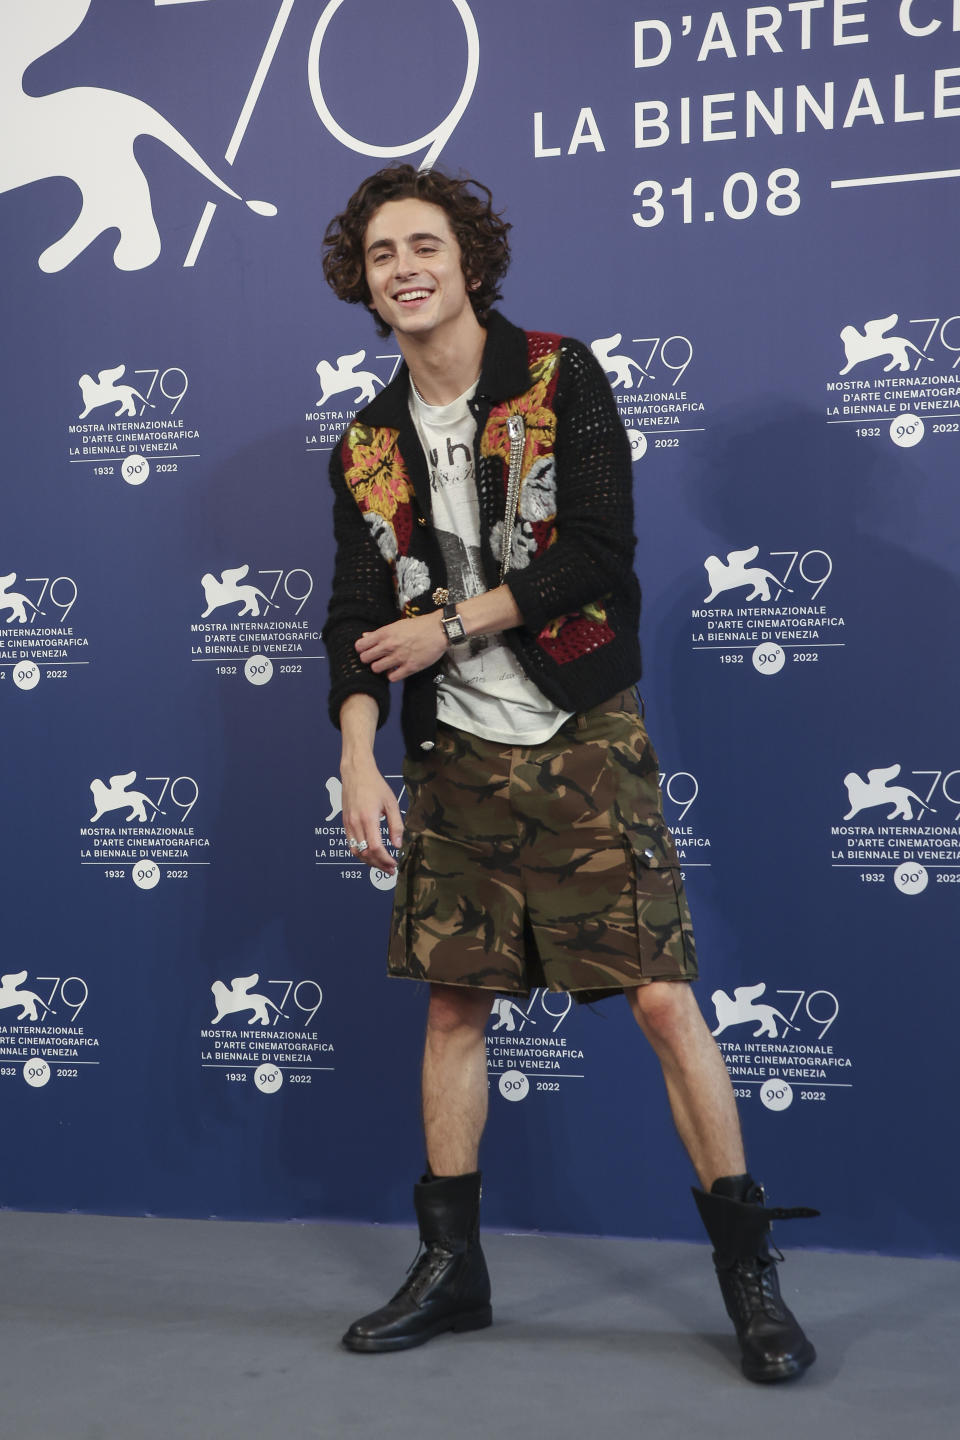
[448, 1287]
[455, 1078]
[698, 1086]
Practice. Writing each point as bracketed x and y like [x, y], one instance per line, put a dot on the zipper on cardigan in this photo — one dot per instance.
[516, 430]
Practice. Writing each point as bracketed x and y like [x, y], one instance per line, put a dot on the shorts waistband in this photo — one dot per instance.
[624, 702]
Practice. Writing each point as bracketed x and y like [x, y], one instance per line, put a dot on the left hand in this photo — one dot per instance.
[403, 648]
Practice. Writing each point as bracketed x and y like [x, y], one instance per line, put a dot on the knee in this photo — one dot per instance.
[664, 1010]
[456, 1010]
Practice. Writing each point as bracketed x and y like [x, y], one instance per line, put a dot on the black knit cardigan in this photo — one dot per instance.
[573, 583]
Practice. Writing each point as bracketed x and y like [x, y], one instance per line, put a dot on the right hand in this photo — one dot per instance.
[367, 798]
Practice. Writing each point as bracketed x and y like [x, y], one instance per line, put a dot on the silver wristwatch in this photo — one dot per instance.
[453, 625]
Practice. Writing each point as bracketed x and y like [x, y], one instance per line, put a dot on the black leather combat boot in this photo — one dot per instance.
[738, 1222]
[448, 1287]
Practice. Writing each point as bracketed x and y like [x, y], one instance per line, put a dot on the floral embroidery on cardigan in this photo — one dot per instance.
[535, 406]
[374, 470]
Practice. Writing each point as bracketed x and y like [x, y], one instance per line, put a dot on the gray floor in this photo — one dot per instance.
[120, 1329]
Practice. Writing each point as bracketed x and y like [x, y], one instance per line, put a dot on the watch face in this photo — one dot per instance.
[454, 628]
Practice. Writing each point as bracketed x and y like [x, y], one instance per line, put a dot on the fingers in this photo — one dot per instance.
[380, 656]
[402, 648]
[366, 842]
[378, 644]
[385, 655]
[367, 800]
[369, 647]
[394, 822]
[371, 851]
[379, 858]
[375, 855]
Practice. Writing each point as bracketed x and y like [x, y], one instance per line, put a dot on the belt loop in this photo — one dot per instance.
[581, 722]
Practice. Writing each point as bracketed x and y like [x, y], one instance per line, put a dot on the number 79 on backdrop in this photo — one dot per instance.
[433, 141]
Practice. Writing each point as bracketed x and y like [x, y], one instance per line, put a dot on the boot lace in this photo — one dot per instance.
[758, 1285]
[426, 1267]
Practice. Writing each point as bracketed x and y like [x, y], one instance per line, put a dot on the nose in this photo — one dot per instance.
[406, 262]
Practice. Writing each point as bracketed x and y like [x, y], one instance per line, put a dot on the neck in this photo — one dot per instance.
[442, 367]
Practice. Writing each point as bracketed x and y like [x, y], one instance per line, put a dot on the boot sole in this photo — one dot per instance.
[785, 1370]
[372, 1345]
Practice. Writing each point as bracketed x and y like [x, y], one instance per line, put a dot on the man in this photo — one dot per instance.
[484, 528]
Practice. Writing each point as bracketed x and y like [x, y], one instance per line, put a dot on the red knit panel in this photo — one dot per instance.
[575, 637]
[540, 343]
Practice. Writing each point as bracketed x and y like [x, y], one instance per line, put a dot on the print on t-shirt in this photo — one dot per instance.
[484, 689]
[455, 506]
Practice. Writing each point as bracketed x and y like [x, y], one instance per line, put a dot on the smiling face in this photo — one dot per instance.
[414, 271]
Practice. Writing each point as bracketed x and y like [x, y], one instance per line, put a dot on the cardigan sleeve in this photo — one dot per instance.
[593, 552]
[362, 598]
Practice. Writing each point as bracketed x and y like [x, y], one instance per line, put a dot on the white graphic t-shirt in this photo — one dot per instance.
[484, 688]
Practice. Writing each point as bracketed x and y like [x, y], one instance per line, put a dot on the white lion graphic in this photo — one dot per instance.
[734, 574]
[13, 601]
[618, 367]
[238, 997]
[742, 1010]
[116, 796]
[226, 591]
[105, 391]
[874, 344]
[504, 1010]
[11, 994]
[876, 790]
[335, 796]
[344, 376]
[86, 134]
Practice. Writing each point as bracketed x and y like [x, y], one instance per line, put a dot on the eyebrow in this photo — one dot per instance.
[411, 239]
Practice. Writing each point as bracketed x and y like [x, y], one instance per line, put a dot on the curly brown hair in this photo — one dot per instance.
[480, 232]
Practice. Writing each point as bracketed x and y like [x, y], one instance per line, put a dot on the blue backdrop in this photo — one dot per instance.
[750, 214]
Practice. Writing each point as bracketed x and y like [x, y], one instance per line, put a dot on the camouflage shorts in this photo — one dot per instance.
[541, 865]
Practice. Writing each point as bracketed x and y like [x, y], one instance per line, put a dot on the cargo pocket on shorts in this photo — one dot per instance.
[400, 958]
[664, 927]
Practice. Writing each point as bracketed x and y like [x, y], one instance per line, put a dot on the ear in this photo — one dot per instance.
[473, 285]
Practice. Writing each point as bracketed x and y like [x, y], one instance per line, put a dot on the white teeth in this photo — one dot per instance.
[413, 294]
